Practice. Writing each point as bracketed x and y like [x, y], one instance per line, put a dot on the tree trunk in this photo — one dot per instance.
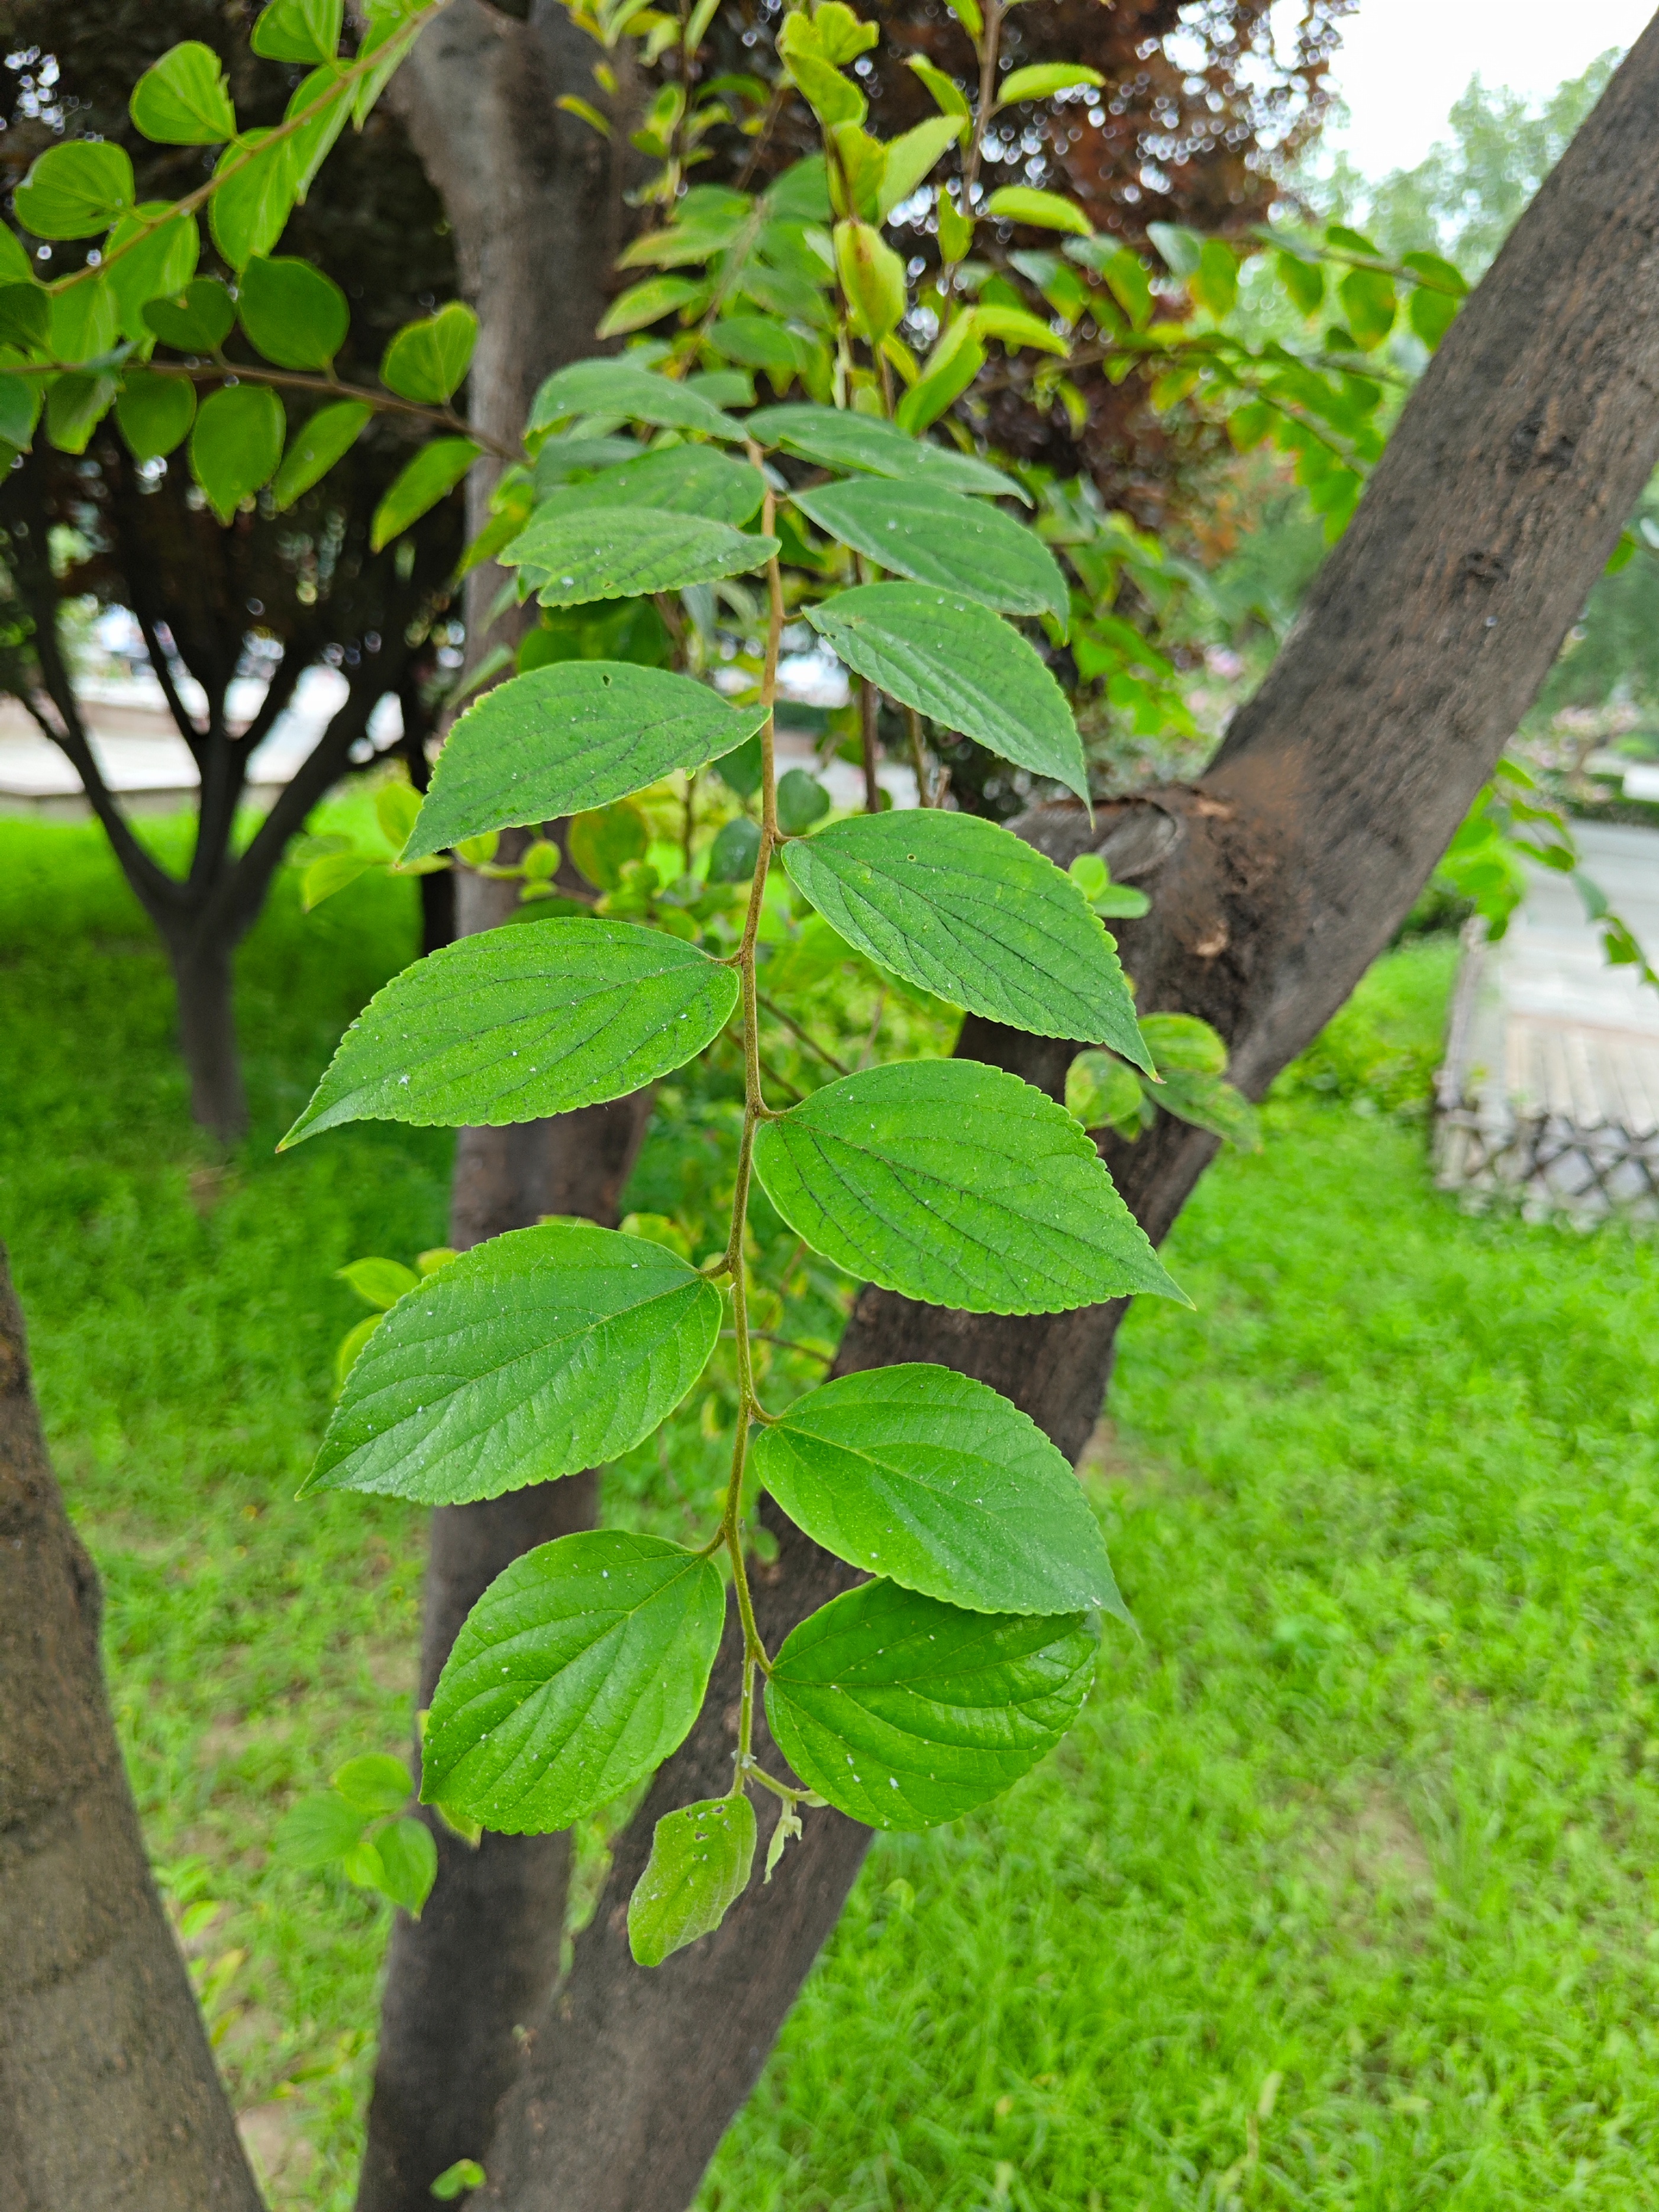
[532, 195]
[1275, 882]
[202, 964]
[108, 2098]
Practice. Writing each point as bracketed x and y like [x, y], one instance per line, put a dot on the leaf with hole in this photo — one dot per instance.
[944, 656]
[236, 444]
[419, 485]
[292, 313]
[427, 359]
[679, 480]
[539, 1353]
[938, 1483]
[905, 1712]
[615, 553]
[622, 389]
[182, 100]
[576, 1674]
[837, 438]
[568, 738]
[967, 910]
[318, 444]
[701, 1857]
[75, 189]
[155, 412]
[935, 536]
[959, 1185]
[511, 1024]
[198, 322]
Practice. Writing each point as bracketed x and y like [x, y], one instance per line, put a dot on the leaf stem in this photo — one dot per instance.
[329, 388]
[755, 1111]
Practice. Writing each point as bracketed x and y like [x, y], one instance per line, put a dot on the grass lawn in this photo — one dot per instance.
[1341, 1895]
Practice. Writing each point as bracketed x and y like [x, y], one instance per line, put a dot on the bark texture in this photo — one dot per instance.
[108, 2098]
[1274, 883]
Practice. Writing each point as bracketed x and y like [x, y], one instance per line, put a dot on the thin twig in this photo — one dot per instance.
[797, 1031]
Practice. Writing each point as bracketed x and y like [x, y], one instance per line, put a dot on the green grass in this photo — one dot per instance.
[1342, 1895]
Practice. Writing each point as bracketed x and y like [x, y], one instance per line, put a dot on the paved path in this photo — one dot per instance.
[1551, 1083]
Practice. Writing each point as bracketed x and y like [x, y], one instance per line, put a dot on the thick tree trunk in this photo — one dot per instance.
[203, 974]
[108, 2098]
[1274, 884]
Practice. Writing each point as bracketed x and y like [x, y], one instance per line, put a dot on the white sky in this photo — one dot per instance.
[1404, 62]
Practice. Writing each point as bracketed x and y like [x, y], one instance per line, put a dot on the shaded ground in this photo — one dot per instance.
[1341, 1894]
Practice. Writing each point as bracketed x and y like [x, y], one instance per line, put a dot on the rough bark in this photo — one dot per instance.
[108, 2098]
[1274, 883]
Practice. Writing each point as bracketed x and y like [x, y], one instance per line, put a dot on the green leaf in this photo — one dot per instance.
[906, 1712]
[621, 387]
[1045, 210]
[942, 655]
[382, 1282]
[155, 412]
[1183, 249]
[345, 1355]
[158, 263]
[937, 536]
[647, 302]
[258, 183]
[183, 99]
[838, 439]
[419, 485]
[293, 313]
[1183, 1040]
[1369, 304]
[959, 1185]
[298, 30]
[1304, 280]
[426, 360]
[567, 738]
[736, 849]
[374, 1783]
[544, 1351]
[25, 313]
[743, 769]
[873, 279]
[702, 1857]
[236, 444]
[76, 405]
[801, 801]
[85, 321]
[1207, 1102]
[319, 1830]
[330, 872]
[326, 97]
[409, 1864]
[1431, 315]
[948, 97]
[681, 480]
[1102, 1093]
[1043, 80]
[75, 191]
[939, 1484]
[20, 410]
[603, 841]
[511, 1024]
[198, 322]
[911, 157]
[16, 266]
[974, 913]
[318, 444]
[615, 553]
[576, 1674]
[455, 2180]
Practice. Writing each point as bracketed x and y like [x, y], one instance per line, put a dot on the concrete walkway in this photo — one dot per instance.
[1551, 1083]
